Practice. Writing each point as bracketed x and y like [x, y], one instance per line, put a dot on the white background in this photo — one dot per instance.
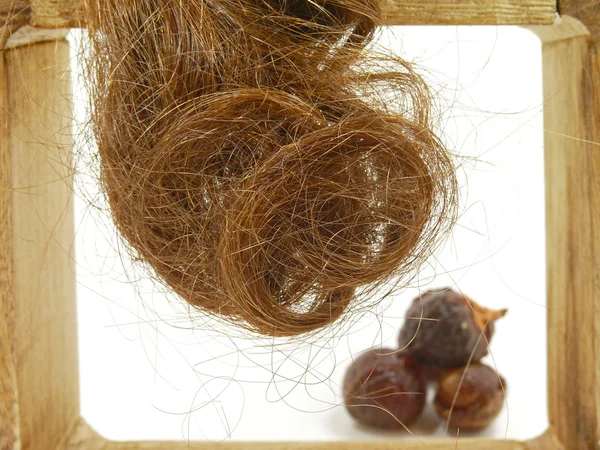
[149, 371]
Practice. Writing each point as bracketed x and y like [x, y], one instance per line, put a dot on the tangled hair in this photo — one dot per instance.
[270, 167]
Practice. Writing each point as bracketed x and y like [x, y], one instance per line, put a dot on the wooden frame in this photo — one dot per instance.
[39, 391]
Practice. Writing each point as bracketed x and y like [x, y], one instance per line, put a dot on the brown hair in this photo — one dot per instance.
[270, 166]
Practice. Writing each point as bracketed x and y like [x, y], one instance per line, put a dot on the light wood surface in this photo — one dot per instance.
[37, 293]
[86, 438]
[9, 407]
[572, 165]
[15, 14]
[586, 11]
[547, 441]
[56, 13]
[478, 12]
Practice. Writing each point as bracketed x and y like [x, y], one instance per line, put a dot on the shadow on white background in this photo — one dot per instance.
[150, 372]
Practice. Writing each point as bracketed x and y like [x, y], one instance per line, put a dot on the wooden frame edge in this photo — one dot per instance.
[69, 13]
[85, 437]
[38, 321]
[571, 79]
[571, 55]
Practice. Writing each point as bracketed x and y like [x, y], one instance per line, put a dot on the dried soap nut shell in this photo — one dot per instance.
[470, 398]
[444, 329]
[385, 389]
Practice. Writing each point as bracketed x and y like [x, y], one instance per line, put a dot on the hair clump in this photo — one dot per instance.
[267, 163]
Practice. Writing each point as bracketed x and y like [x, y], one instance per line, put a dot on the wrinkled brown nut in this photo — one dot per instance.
[470, 399]
[385, 389]
[431, 373]
[450, 330]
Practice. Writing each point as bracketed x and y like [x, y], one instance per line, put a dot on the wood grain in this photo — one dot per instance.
[564, 28]
[586, 11]
[49, 14]
[39, 297]
[547, 441]
[9, 408]
[85, 438]
[56, 13]
[13, 14]
[69, 13]
[572, 166]
[474, 12]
